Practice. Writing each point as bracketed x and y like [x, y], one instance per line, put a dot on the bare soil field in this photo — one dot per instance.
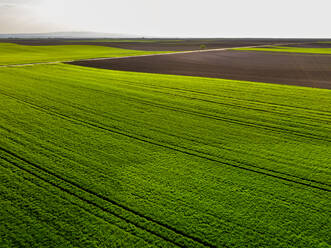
[293, 69]
[158, 44]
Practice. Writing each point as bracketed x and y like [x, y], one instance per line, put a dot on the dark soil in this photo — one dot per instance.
[292, 69]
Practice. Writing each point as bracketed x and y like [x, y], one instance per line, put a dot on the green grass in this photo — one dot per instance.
[21, 54]
[99, 158]
[288, 49]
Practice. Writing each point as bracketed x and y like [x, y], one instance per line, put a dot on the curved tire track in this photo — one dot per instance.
[187, 151]
[106, 199]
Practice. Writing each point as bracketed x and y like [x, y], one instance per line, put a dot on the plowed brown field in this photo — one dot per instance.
[293, 69]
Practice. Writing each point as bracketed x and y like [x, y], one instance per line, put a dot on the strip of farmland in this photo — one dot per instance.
[309, 70]
[13, 54]
[161, 161]
[157, 44]
[290, 49]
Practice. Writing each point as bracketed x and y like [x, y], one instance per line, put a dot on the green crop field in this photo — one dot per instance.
[21, 54]
[288, 49]
[100, 158]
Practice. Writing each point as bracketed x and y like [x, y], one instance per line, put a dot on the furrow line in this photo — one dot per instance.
[239, 122]
[106, 199]
[245, 107]
[134, 84]
[230, 120]
[198, 140]
[305, 205]
[202, 100]
[323, 113]
[72, 194]
[193, 139]
[167, 146]
[62, 157]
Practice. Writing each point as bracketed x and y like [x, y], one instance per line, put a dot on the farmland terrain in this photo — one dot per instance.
[160, 44]
[262, 65]
[289, 49]
[20, 54]
[107, 158]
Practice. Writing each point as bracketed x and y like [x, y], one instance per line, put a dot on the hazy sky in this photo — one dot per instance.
[204, 18]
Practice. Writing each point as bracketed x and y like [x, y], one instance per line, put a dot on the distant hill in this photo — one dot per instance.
[67, 35]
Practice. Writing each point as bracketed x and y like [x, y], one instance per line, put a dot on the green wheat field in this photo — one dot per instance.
[102, 158]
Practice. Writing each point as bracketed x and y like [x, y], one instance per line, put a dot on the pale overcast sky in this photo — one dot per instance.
[204, 18]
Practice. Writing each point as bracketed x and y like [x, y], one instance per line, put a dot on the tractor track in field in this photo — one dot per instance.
[304, 204]
[82, 198]
[215, 117]
[104, 198]
[222, 103]
[320, 113]
[324, 113]
[211, 214]
[149, 140]
[262, 234]
[129, 83]
[142, 85]
[238, 122]
[29, 172]
[197, 140]
[239, 225]
[172, 147]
